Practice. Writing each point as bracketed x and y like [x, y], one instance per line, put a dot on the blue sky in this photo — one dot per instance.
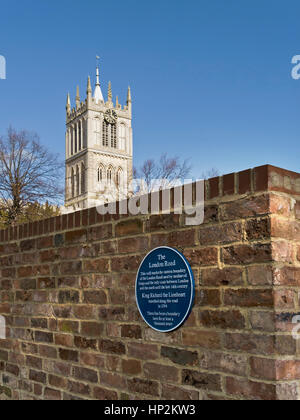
[211, 79]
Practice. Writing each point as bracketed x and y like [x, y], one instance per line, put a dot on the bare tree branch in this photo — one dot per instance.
[29, 173]
[167, 170]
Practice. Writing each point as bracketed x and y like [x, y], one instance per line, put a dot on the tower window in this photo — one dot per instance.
[82, 178]
[122, 136]
[105, 134]
[114, 136]
[119, 178]
[79, 135]
[72, 141]
[77, 182]
[109, 175]
[76, 144]
[84, 131]
[72, 183]
[100, 174]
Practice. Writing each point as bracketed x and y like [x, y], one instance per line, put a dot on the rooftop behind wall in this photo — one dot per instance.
[67, 292]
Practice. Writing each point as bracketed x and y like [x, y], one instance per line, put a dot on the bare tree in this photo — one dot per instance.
[210, 173]
[29, 174]
[168, 170]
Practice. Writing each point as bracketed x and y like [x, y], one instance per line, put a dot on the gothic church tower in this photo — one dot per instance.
[98, 149]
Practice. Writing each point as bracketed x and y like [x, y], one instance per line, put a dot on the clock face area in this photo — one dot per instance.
[111, 116]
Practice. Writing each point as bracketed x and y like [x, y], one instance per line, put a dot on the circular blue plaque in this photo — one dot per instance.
[165, 289]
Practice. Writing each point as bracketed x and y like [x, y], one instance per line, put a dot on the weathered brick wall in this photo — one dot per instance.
[73, 328]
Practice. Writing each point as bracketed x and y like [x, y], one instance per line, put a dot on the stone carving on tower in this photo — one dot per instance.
[98, 149]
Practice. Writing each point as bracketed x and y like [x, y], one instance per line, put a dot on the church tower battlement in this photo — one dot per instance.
[98, 148]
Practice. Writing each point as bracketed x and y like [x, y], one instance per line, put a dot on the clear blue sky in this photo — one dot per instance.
[211, 79]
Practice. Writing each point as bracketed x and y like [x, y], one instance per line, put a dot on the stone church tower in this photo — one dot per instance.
[98, 149]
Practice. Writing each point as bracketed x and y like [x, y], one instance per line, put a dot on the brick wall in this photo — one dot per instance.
[73, 328]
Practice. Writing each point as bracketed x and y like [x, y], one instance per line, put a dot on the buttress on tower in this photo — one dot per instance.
[98, 149]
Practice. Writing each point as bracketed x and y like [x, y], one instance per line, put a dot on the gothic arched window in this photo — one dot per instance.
[100, 173]
[105, 134]
[113, 139]
[110, 175]
[72, 183]
[119, 178]
[76, 144]
[79, 136]
[83, 134]
[77, 181]
[82, 178]
[72, 141]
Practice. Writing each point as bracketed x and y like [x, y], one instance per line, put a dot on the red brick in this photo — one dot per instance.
[97, 266]
[52, 394]
[79, 388]
[131, 331]
[180, 239]
[163, 222]
[205, 339]
[202, 256]
[103, 394]
[37, 376]
[222, 277]
[46, 242]
[93, 360]
[100, 232]
[143, 351]
[113, 380]
[200, 380]
[92, 329]
[250, 343]
[280, 205]
[57, 381]
[214, 187]
[85, 343]
[85, 374]
[224, 362]
[129, 227]
[119, 264]
[247, 254]
[244, 181]
[171, 392]
[68, 355]
[282, 251]
[285, 229]
[131, 367]
[230, 232]
[142, 386]
[261, 177]
[260, 275]
[246, 207]
[131, 245]
[249, 298]
[228, 184]
[250, 389]
[115, 347]
[284, 299]
[161, 372]
[258, 229]
[96, 297]
[76, 236]
[205, 297]
[232, 319]
[287, 276]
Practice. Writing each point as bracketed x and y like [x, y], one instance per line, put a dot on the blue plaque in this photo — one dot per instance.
[165, 289]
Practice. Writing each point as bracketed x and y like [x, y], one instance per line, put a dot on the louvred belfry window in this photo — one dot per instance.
[105, 134]
[114, 136]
